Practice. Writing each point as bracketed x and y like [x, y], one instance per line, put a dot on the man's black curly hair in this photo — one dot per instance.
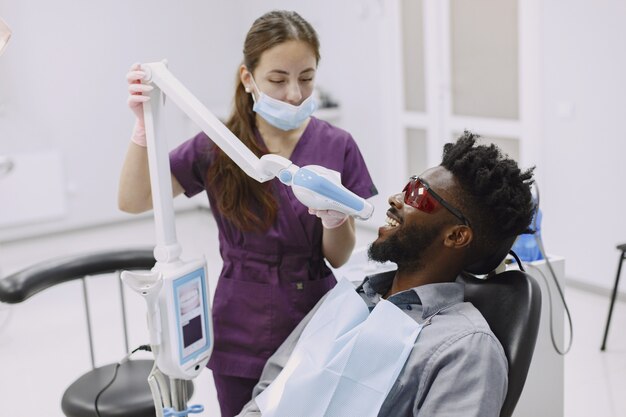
[497, 199]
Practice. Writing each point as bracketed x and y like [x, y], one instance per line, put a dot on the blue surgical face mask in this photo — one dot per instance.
[282, 115]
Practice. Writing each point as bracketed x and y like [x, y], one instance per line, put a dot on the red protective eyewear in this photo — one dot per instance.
[418, 194]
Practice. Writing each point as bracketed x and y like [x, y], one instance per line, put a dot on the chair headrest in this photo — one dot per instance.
[510, 302]
[491, 262]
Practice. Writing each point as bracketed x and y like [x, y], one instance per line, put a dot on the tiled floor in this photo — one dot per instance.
[43, 345]
[595, 382]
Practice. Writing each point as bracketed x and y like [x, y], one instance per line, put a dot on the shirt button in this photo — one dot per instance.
[408, 307]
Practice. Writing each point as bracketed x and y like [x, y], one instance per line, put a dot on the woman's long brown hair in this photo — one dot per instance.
[241, 199]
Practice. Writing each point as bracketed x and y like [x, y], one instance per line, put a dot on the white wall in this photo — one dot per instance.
[584, 138]
[63, 88]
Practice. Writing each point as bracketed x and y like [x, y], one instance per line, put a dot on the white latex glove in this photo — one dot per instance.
[330, 218]
[136, 100]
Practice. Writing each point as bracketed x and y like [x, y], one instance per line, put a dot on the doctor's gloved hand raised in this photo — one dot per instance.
[136, 99]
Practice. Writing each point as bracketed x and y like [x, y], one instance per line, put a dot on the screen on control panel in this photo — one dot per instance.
[192, 313]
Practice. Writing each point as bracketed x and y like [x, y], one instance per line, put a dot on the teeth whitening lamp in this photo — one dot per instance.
[176, 291]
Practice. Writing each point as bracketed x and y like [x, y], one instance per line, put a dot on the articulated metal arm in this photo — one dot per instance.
[158, 74]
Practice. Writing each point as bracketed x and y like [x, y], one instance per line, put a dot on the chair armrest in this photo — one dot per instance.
[23, 284]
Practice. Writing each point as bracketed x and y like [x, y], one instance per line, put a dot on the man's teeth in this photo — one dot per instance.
[391, 222]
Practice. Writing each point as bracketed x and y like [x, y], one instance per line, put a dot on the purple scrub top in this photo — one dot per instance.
[270, 280]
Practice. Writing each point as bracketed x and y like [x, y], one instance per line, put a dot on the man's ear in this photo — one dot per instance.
[458, 236]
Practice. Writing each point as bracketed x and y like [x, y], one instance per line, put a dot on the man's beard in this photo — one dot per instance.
[405, 247]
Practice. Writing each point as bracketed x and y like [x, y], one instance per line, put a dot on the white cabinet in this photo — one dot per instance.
[543, 393]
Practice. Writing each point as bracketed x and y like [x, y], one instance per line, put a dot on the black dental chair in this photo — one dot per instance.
[510, 302]
[129, 395]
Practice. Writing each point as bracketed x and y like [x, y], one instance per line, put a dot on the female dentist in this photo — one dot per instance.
[273, 249]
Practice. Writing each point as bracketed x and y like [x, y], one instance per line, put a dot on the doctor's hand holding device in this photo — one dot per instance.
[273, 246]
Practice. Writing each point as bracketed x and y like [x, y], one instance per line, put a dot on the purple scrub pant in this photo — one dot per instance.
[233, 393]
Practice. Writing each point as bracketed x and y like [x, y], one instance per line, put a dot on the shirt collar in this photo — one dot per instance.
[432, 297]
